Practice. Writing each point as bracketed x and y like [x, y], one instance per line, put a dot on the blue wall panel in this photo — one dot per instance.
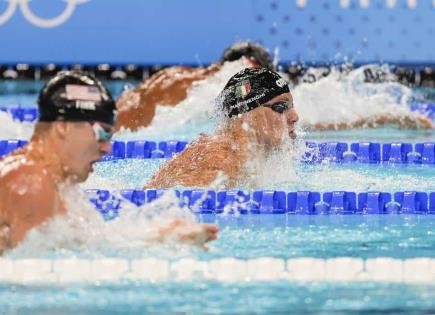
[328, 31]
[195, 31]
[152, 31]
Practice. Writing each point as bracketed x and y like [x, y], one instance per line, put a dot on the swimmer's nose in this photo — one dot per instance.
[105, 147]
[292, 116]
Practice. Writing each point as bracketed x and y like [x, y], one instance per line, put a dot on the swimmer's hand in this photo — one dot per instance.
[406, 122]
[425, 123]
[193, 234]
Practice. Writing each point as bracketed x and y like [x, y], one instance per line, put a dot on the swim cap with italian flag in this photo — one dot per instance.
[251, 88]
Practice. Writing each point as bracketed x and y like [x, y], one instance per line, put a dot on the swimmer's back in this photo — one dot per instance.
[169, 86]
[199, 165]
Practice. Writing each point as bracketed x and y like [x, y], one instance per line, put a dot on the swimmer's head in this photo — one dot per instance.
[251, 88]
[262, 100]
[77, 114]
[251, 50]
[76, 96]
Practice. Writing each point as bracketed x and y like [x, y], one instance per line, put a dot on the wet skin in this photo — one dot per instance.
[227, 150]
[59, 153]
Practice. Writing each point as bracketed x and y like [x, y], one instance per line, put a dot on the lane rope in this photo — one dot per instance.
[116, 270]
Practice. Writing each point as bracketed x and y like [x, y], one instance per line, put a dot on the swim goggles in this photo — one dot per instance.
[280, 107]
[101, 134]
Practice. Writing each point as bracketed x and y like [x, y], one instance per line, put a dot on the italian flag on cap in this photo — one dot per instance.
[243, 88]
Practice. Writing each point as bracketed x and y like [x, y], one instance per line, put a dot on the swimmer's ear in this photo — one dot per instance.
[61, 128]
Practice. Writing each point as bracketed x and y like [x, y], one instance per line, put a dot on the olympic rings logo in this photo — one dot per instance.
[36, 20]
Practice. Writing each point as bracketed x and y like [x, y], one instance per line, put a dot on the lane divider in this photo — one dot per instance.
[31, 114]
[199, 201]
[331, 152]
[116, 270]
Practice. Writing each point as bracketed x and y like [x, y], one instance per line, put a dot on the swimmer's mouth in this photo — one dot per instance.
[91, 164]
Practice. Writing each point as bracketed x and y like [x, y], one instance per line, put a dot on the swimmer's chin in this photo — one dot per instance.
[79, 178]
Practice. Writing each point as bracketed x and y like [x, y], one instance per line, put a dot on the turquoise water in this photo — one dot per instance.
[217, 298]
[247, 237]
[257, 236]
[290, 176]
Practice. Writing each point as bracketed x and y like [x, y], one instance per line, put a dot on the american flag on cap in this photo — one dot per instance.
[82, 92]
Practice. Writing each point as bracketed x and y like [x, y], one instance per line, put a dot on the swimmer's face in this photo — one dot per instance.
[83, 149]
[271, 125]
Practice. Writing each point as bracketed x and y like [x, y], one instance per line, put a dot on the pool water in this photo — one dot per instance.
[247, 236]
[219, 298]
[289, 176]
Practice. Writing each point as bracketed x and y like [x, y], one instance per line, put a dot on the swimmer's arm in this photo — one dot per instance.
[189, 233]
[29, 198]
[406, 122]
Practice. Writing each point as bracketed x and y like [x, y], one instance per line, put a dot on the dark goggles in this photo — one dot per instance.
[280, 107]
[101, 134]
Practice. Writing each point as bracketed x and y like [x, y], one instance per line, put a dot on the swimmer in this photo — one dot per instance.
[77, 115]
[258, 115]
[137, 107]
[401, 120]
[170, 86]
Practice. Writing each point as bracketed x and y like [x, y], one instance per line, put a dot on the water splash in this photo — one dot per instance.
[84, 232]
[337, 98]
[346, 98]
[191, 116]
[12, 129]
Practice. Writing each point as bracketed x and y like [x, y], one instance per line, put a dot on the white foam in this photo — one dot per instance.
[334, 99]
[116, 270]
[197, 109]
[340, 98]
[13, 129]
[83, 228]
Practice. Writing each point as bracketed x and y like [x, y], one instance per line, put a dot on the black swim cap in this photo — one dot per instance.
[76, 96]
[251, 50]
[251, 88]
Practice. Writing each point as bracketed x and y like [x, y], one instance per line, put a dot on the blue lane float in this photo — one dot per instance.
[9, 146]
[31, 114]
[333, 152]
[271, 202]
[22, 114]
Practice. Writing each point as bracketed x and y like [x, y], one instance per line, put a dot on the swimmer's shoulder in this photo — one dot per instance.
[21, 175]
[196, 165]
[206, 146]
[29, 197]
[207, 154]
[12, 163]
